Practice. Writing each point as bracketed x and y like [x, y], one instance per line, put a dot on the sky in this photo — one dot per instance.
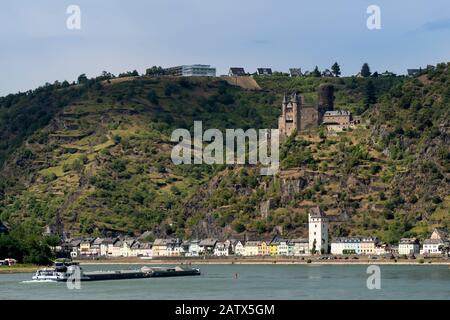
[117, 36]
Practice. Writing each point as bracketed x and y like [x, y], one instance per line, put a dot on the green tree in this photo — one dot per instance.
[313, 249]
[369, 93]
[238, 227]
[365, 70]
[82, 79]
[152, 97]
[155, 71]
[336, 69]
[316, 72]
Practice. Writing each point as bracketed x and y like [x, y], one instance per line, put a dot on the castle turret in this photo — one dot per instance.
[294, 98]
[289, 120]
[326, 97]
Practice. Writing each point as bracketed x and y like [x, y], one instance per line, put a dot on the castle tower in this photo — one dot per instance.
[326, 99]
[318, 230]
[289, 121]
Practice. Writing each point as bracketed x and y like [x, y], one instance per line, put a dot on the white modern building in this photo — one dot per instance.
[318, 231]
[194, 70]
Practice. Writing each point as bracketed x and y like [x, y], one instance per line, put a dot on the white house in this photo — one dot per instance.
[96, 246]
[239, 248]
[408, 246]
[437, 241]
[116, 250]
[194, 249]
[125, 250]
[318, 230]
[300, 246]
[106, 247]
[207, 246]
[174, 248]
[283, 247]
[346, 245]
[381, 249]
[432, 246]
[222, 249]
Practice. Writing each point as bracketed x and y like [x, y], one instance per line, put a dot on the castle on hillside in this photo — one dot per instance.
[298, 116]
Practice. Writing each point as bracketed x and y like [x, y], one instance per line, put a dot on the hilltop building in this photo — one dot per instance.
[236, 72]
[295, 72]
[413, 72]
[298, 116]
[318, 231]
[264, 71]
[327, 73]
[340, 120]
[195, 70]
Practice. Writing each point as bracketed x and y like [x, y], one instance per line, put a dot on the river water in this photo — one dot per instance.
[267, 282]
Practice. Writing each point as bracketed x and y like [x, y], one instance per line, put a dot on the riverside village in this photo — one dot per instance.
[296, 116]
[317, 244]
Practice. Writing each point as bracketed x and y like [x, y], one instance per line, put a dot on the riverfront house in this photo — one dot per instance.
[437, 242]
[408, 246]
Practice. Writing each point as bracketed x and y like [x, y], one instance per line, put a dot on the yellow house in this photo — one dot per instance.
[85, 247]
[273, 249]
[264, 249]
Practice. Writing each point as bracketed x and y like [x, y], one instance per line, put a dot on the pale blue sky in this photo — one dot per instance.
[36, 47]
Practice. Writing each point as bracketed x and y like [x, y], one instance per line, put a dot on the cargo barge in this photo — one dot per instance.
[63, 271]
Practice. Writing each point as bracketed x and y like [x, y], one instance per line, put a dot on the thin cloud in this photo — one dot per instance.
[436, 25]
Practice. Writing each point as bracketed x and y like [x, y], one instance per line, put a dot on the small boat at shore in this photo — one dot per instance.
[67, 270]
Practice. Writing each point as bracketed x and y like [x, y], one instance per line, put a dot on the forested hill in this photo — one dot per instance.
[95, 156]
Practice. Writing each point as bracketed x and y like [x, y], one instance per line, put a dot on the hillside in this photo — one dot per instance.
[96, 157]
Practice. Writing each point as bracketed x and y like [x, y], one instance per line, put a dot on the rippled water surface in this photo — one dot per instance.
[247, 282]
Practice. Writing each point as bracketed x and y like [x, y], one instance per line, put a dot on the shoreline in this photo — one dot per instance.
[232, 261]
[259, 262]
